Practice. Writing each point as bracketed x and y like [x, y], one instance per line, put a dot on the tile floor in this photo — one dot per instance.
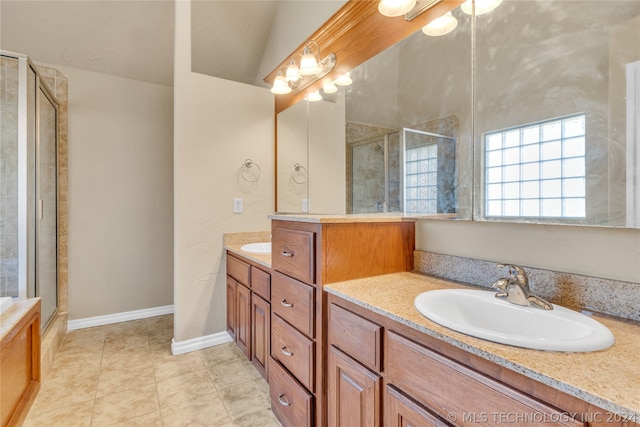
[124, 375]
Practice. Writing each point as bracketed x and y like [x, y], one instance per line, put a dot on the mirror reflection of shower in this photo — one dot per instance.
[411, 171]
[430, 178]
[375, 175]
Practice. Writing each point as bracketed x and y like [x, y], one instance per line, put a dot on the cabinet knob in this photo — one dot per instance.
[283, 401]
[285, 351]
[285, 303]
[287, 254]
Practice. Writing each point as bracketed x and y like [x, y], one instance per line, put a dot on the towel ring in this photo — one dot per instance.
[248, 164]
[296, 173]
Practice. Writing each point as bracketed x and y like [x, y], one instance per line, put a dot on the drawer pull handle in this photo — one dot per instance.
[287, 254]
[283, 401]
[285, 303]
[285, 351]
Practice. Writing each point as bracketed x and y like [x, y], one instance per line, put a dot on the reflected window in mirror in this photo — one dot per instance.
[536, 170]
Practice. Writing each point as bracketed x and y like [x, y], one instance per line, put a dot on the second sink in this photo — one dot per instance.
[478, 313]
[257, 248]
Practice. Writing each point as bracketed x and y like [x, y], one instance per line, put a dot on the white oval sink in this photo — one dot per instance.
[257, 248]
[480, 314]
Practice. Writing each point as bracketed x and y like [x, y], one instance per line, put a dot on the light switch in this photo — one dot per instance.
[305, 205]
[237, 206]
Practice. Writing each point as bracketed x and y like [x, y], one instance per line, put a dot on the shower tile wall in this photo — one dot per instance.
[368, 173]
[9, 177]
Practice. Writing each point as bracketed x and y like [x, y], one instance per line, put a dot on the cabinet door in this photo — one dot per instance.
[260, 333]
[353, 394]
[232, 320]
[243, 328]
[402, 411]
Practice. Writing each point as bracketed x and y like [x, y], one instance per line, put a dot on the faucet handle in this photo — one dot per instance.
[517, 273]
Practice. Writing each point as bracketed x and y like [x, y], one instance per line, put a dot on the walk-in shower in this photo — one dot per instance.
[28, 185]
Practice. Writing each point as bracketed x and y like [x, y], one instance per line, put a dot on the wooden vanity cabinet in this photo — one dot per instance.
[426, 382]
[249, 309]
[305, 256]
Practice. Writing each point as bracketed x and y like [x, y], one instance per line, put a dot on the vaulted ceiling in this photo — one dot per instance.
[134, 39]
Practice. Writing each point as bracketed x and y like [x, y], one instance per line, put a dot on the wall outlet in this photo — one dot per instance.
[237, 206]
[305, 205]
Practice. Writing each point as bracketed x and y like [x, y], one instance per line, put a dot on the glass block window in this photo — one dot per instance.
[536, 170]
[421, 174]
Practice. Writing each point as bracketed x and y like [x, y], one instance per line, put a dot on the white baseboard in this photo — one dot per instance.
[108, 319]
[181, 347]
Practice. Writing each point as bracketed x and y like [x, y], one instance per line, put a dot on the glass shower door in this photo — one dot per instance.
[46, 207]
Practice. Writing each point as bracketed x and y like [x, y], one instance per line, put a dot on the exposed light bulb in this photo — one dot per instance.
[482, 6]
[280, 85]
[441, 25]
[314, 96]
[344, 80]
[293, 72]
[394, 8]
[308, 63]
[330, 88]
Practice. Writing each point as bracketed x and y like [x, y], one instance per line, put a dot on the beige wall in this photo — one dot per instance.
[218, 124]
[120, 194]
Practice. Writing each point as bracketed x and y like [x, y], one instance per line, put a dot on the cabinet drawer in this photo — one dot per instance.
[294, 350]
[294, 302]
[461, 391]
[237, 269]
[261, 283]
[401, 411]
[292, 404]
[356, 336]
[293, 253]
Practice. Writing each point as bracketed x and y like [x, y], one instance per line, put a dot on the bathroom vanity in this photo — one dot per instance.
[340, 332]
[401, 369]
[307, 253]
[19, 360]
[249, 305]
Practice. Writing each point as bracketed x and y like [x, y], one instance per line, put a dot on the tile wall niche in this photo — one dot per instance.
[611, 297]
[56, 331]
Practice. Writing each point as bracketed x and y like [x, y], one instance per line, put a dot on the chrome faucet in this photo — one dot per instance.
[515, 288]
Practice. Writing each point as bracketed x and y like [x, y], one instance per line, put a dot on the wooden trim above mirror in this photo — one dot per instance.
[356, 33]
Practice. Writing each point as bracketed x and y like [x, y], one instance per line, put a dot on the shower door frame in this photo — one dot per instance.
[25, 290]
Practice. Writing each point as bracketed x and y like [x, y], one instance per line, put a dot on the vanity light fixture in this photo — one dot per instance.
[330, 88]
[482, 6]
[344, 80]
[280, 85]
[393, 8]
[308, 63]
[441, 25]
[300, 76]
[293, 72]
[314, 96]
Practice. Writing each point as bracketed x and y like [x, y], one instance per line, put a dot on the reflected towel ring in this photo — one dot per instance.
[246, 166]
[297, 174]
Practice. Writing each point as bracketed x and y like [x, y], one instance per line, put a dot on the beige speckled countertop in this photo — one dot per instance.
[327, 219]
[262, 259]
[609, 379]
[233, 243]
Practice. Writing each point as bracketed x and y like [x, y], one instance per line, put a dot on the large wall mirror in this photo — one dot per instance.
[544, 128]
[556, 127]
